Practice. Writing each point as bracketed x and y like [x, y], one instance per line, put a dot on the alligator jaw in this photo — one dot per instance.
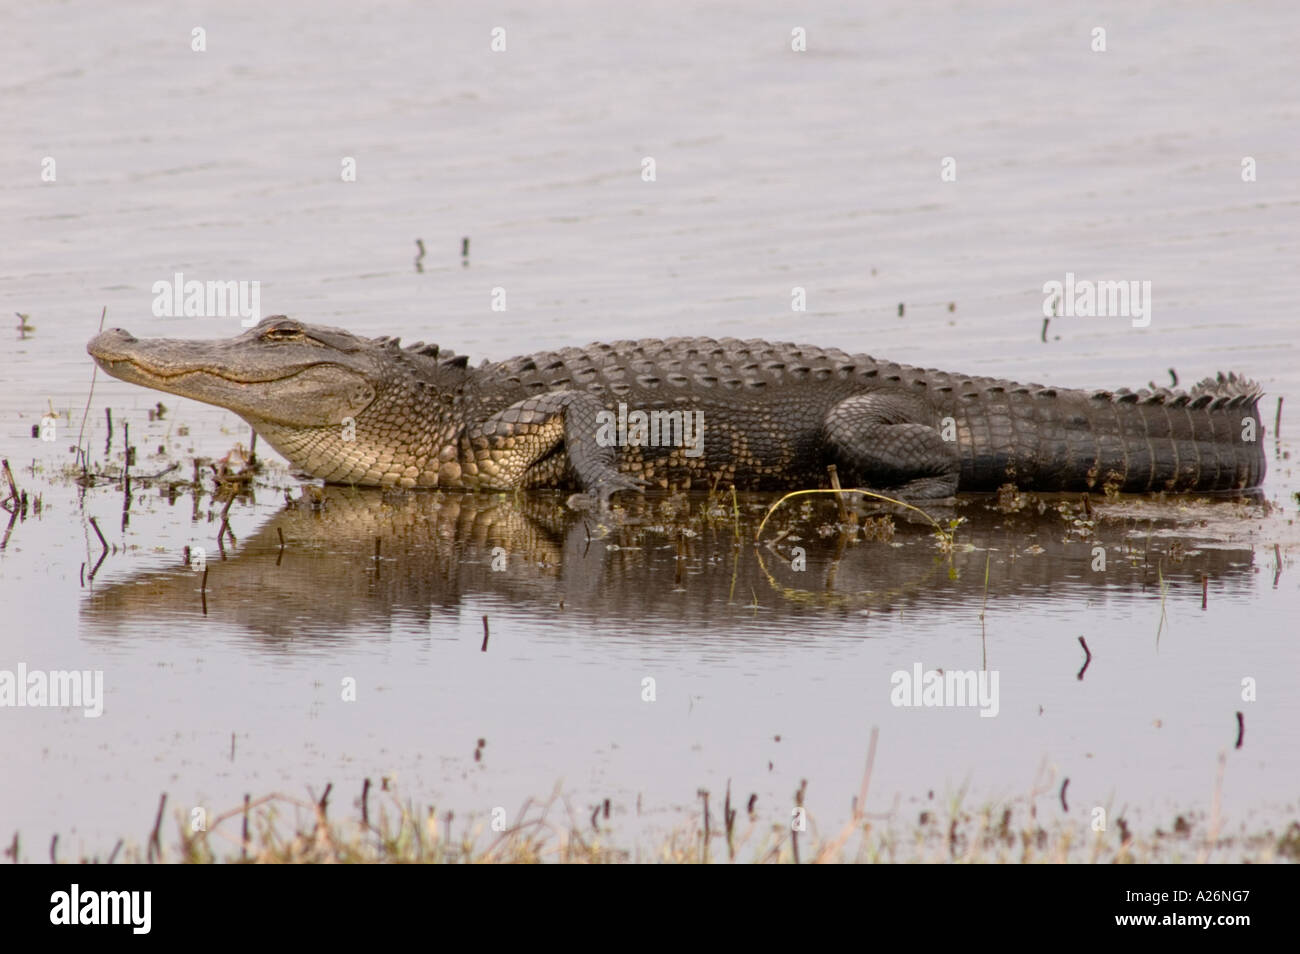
[301, 393]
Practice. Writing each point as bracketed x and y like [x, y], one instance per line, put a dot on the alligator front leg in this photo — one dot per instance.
[881, 441]
[537, 440]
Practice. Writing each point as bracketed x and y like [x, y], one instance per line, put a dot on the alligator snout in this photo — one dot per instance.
[107, 346]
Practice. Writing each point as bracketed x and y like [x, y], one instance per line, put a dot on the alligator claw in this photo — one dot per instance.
[583, 502]
[614, 482]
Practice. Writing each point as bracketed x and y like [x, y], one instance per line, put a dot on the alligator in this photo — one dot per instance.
[613, 417]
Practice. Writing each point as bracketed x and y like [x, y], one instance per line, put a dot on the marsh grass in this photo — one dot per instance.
[386, 829]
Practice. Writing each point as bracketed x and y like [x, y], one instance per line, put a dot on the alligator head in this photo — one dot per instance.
[339, 406]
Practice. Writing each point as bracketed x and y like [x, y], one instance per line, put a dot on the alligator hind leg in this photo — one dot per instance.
[517, 443]
[880, 441]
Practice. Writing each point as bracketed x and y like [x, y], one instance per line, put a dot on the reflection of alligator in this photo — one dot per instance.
[438, 553]
[366, 411]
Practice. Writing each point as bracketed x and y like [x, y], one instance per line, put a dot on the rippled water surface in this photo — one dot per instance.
[774, 169]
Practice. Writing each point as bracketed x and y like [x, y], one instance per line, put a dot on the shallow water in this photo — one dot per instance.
[774, 169]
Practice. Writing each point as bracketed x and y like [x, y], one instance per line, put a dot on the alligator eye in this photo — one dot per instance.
[283, 334]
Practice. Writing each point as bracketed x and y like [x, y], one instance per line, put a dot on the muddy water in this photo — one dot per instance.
[774, 169]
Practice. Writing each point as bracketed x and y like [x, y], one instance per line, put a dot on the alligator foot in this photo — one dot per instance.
[598, 494]
[926, 488]
[880, 440]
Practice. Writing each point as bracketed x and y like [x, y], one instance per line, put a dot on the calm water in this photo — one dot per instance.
[774, 169]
